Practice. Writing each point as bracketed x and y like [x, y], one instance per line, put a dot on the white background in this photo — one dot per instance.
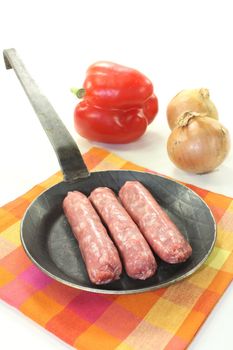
[177, 44]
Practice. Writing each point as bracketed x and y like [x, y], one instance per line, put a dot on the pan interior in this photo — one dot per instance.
[49, 242]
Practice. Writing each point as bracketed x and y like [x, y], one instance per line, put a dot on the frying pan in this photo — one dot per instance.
[45, 233]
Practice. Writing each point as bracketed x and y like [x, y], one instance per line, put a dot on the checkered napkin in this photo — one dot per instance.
[167, 318]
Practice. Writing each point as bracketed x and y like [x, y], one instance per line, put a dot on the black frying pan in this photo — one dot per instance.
[46, 235]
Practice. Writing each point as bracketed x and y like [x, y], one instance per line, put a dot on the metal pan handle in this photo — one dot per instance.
[68, 154]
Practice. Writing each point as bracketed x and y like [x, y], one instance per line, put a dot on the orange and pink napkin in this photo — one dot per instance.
[165, 319]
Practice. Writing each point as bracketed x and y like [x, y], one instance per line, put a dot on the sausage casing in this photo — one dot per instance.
[160, 232]
[98, 251]
[138, 259]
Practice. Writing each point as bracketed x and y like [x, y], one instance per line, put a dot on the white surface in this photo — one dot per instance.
[178, 44]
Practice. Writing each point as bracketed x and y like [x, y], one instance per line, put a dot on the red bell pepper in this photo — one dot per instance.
[118, 104]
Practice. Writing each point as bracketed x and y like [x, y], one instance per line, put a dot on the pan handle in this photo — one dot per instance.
[68, 154]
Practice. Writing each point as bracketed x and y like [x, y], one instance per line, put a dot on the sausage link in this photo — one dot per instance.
[160, 232]
[136, 254]
[98, 251]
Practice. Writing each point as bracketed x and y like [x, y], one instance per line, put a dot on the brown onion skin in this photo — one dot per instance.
[196, 100]
[200, 146]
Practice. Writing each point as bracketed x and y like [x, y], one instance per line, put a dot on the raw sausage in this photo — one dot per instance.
[160, 232]
[136, 254]
[98, 251]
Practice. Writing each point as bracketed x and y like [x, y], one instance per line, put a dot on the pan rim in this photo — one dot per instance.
[125, 291]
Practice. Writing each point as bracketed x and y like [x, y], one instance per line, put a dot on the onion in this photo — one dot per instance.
[195, 100]
[198, 144]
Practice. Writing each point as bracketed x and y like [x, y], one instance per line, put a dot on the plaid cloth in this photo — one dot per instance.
[167, 318]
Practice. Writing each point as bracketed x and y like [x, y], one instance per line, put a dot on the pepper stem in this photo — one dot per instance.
[184, 118]
[80, 93]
